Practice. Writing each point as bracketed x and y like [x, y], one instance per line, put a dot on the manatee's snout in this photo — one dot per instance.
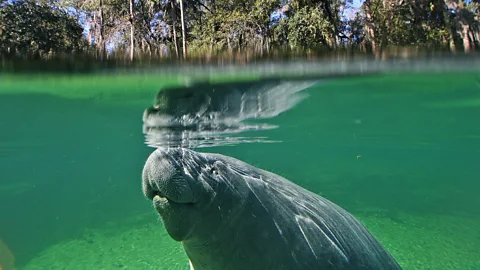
[164, 179]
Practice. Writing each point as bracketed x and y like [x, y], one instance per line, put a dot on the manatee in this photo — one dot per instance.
[204, 114]
[231, 215]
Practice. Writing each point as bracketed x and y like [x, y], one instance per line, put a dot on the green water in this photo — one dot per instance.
[400, 151]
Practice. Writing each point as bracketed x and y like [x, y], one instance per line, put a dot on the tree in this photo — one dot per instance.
[31, 29]
[135, 29]
[174, 23]
[305, 28]
[184, 37]
[132, 30]
[430, 23]
[466, 18]
[102, 33]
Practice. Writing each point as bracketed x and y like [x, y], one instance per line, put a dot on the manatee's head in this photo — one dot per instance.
[177, 102]
[194, 193]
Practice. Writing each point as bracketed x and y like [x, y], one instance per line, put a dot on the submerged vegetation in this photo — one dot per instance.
[239, 30]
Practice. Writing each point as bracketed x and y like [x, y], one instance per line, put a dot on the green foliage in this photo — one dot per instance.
[233, 25]
[231, 28]
[430, 23]
[30, 28]
[306, 28]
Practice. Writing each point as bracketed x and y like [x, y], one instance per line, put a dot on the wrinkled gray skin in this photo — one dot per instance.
[203, 114]
[203, 103]
[231, 215]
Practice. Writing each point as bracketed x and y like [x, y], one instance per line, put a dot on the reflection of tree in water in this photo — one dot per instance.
[206, 114]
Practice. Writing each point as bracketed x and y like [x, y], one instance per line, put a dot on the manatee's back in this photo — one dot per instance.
[284, 226]
[329, 236]
[313, 232]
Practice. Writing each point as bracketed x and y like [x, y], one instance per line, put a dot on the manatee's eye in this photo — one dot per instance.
[212, 169]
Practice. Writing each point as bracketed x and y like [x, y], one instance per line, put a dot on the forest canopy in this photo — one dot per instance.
[133, 29]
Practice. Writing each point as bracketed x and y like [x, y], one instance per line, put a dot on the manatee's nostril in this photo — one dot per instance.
[150, 193]
[157, 193]
[150, 190]
[153, 191]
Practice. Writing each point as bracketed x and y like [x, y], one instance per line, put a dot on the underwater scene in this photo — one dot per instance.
[397, 146]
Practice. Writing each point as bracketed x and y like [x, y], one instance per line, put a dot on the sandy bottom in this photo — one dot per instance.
[428, 242]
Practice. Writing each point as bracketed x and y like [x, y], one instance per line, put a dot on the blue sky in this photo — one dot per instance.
[357, 3]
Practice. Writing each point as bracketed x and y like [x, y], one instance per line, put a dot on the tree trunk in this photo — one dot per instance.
[132, 41]
[184, 38]
[369, 29]
[461, 18]
[102, 38]
[174, 23]
[450, 25]
[467, 46]
[93, 29]
[229, 46]
[465, 27]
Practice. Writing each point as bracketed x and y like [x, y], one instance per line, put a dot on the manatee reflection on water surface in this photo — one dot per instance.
[205, 114]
